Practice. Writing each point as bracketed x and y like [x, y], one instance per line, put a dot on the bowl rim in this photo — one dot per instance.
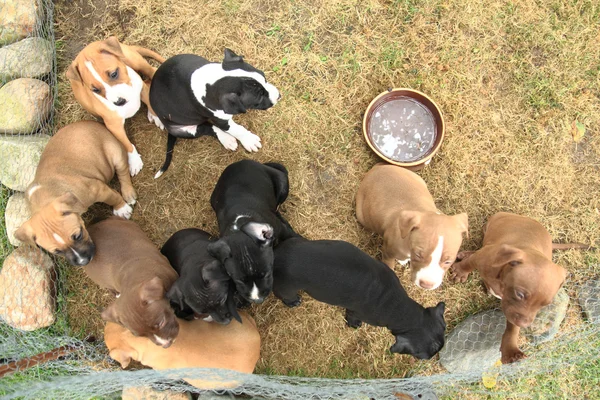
[433, 151]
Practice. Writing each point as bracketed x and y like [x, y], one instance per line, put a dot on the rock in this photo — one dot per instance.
[548, 320]
[18, 19]
[17, 212]
[589, 300]
[19, 158]
[27, 289]
[25, 104]
[28, 58]
[475, 343]
[147, 393]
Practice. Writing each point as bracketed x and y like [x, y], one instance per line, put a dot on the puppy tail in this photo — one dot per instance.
[567, 246]
[170, 145]
[149, 53]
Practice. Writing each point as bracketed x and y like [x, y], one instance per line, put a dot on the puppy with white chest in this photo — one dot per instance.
[73, 172]
[193, 97]
[106, 82]
[131, 266]
[203, 286]
[245, 200]
[395, 203]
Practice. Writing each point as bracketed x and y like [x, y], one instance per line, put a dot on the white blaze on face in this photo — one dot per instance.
[208, 319]
[131, 93]
[432, 275]
[254, 292]
[79, 258]
[160, 340]
[58, 238]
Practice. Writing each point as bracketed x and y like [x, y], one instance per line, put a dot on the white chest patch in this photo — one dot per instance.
[432, 275]
[208, 319]
[210, 73]
[254, 293]
[129, 93]
[32, 190]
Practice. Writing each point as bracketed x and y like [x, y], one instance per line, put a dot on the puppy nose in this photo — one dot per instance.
[426, 284]
[259, 300]
[120, 101]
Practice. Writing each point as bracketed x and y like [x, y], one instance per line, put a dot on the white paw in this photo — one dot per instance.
[227, 140]
[135, 162]
[153, 118]
[250, 141]
[404, 263]
[123, 212]
[132, 202]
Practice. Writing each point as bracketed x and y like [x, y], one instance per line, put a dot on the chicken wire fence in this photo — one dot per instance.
[40, 357]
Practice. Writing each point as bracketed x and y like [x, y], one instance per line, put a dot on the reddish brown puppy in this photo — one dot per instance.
[516, 266]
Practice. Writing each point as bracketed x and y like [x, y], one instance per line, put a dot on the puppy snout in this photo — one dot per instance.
[426, 284]
[168, 343]
[120, 102]
[522, 321]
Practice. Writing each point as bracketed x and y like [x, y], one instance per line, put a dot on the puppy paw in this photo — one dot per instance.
[153, 118]
[129, 195]
[292, 303]
[463, 255]
[124, 211]
[250, 141]
[353, 323]
[135, 162]
[457, 274]
[227, 140]
[512, 355]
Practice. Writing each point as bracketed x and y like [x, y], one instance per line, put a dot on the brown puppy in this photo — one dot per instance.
[516, 266]
[73, 172]
[131, 266]
[395, 203]
[106, 82]
[200, 344]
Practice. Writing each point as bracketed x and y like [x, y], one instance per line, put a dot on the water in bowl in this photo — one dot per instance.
[403, 129]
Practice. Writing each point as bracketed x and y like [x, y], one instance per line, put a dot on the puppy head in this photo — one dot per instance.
[59, 229]
[100, 69]
[434, 243]
[247, 255]
[425, 341]
[528, 281]
[206, 292]
[248, 90]
[146, 312]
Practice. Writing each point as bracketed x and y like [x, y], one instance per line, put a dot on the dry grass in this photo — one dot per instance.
[510, 79]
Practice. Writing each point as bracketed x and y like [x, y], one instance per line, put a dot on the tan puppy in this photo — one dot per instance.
[395, 203]
[73, 172]
[132, 267]
[106, 82]
[516, 266]
[200, 344]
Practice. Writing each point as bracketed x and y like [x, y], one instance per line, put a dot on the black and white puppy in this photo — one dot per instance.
[338, 273]
[203, 286]
[245, 200]
[194, 97]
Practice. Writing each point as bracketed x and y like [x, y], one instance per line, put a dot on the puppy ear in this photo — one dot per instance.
[232, 104]
[259, 231]
[110, 313]
[68, 203]
[439, 310]
[507, 255]
[152, 290]
[219, 250]
[175, 295]
[408, 221]
[279, 177]
[120, 356]
[112, 46]
[25, 233]
[462, 220]
[402, 346]
[73, 72]
[230, 56]
[231, 306]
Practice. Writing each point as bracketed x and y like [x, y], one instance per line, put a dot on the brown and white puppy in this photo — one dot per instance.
[131, 266]
[200, 344]
[395, 203]
[106, 82]
[516, 266]
[74, 169]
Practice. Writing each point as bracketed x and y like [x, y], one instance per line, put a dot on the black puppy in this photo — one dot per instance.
[193, 97]
[338, 273]
[203, 286]
[245, 200]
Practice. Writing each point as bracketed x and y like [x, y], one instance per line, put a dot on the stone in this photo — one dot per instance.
[475, 343]
[28, 58]
[589, 300]
[26, 105]
[27, 289]
[16, 213]
[18, 19]
[147, 393]
[547, 321]
[19, 158]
